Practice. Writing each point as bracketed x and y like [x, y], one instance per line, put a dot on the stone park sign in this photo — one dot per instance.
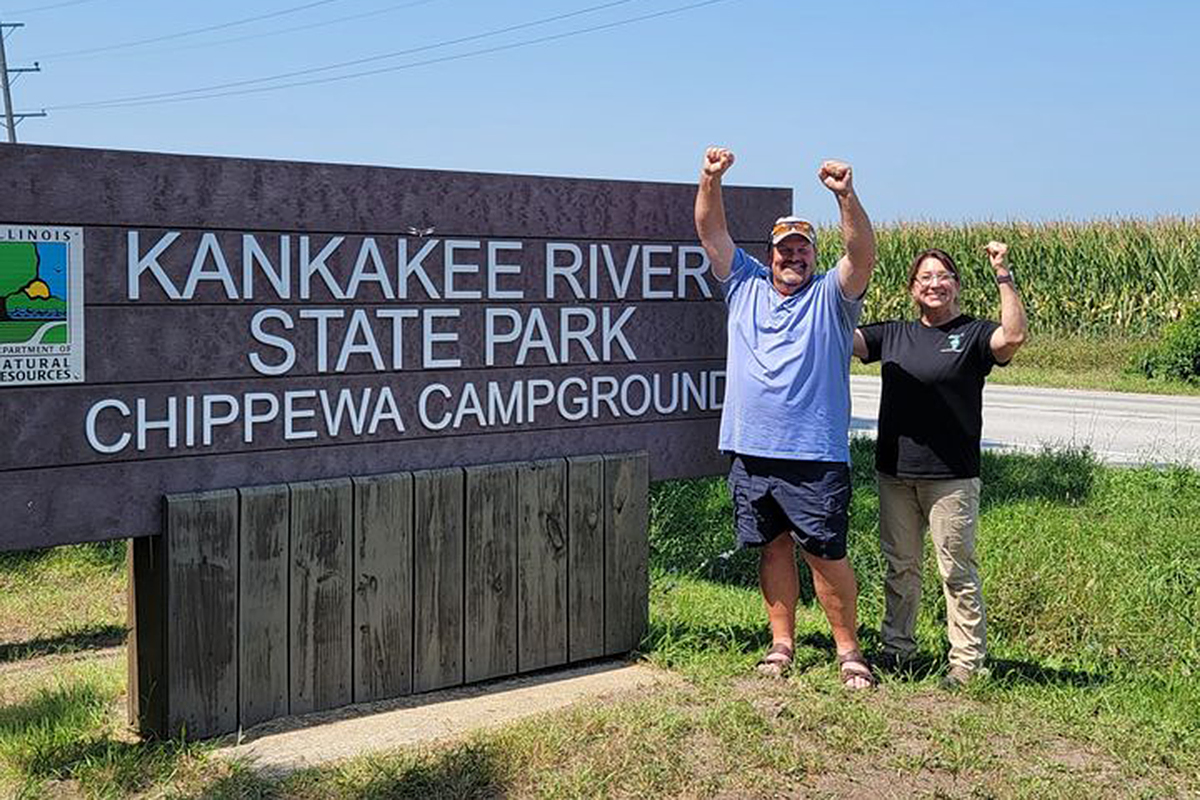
[177, 324]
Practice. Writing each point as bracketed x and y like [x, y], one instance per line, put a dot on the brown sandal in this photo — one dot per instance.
[853, 665]
[776, 661]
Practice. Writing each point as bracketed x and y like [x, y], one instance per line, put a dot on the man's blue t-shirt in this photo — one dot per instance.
[787, 387]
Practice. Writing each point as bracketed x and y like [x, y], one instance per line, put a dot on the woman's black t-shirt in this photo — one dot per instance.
[931, 408]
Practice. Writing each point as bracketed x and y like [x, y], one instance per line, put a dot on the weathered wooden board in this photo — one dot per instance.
[151, 344]
[627, 516]
[491, 573]
[451, 269]
[438, 619]
[320, 616]
[202, 619]
[383, 586]
[263, 601]
[679, 449]
[585, 557]
[76, 186]
[542, 564]
[354, 409]
[146, 651]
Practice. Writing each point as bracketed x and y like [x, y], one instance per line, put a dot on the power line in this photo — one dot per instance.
[282, 31]
[47, 7]
[498, 48]
[201, 90]
[357, 61]
[192, 32]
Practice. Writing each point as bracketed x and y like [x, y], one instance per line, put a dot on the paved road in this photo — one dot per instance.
[1120, 428]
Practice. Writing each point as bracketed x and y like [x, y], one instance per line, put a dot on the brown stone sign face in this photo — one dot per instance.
[176, 323]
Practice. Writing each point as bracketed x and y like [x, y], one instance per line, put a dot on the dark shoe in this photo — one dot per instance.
[776, 661]
[890, 661]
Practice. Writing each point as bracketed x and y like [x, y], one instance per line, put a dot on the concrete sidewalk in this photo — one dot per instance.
[293, 743]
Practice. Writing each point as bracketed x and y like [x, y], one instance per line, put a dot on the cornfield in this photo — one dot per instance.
[1113, 277]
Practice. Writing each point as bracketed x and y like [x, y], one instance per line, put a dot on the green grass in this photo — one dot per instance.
[1091, 577]
[67, 735]
[1085, 566]
[61, 599]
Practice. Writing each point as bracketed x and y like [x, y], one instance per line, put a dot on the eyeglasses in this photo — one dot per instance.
[930, 278]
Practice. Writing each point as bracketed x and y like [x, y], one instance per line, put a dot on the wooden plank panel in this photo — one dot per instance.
[678, 269]
[80, 186]
[383, 586]
[147, 641]
[177, 343]
[263, 604]
[320, 652]
[542, 402]
[491, 576]
[627, 518]
[585, 557]
[202, 581]
[88, 513]
[438, 579]
[542, 565]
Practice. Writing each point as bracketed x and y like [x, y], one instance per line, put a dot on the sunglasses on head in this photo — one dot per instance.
[788, 228]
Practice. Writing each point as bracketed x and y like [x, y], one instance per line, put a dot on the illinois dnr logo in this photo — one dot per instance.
[41, 305]
[953, 343]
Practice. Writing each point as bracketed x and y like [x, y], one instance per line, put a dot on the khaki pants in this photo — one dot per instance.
[949, 508]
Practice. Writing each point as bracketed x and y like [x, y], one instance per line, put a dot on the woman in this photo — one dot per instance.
[927, 455]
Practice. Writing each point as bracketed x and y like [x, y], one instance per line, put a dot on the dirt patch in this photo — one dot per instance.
[866, 780]
[1073, 756]
[937, 702]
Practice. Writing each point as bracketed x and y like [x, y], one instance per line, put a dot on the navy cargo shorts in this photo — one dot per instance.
[811, 499]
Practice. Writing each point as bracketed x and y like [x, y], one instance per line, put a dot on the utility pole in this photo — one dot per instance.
[11, 119]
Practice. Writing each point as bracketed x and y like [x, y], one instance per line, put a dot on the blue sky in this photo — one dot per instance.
[948, 111]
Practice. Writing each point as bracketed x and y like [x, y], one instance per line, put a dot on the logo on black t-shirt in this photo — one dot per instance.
[953, 343]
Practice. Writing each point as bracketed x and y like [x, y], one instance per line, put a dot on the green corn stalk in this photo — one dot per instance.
[1111, 277]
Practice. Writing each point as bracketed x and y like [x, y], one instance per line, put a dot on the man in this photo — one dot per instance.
[786, 417]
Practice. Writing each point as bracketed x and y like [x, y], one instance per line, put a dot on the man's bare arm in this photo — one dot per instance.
[858, 237]
[710, 212]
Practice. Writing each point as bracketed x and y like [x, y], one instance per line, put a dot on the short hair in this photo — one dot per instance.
[936, 253]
